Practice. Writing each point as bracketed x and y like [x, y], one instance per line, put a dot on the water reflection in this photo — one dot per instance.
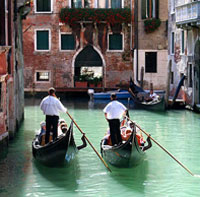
[64, 177]
[132, 178]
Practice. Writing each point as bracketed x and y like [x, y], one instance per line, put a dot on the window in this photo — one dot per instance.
[151, 62]
[172, 43]
[172, 77]
[42, 40]
[43, 5]
[182, 42]
[80, 3]
[190, 75]
[116, 4]
[150, 9]
[116, 42]
[42, 76]
[110, 3]
[9, 22]
[172, 6]
[2, 23]
[67, 42]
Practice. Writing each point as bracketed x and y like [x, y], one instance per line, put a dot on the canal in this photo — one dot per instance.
[158, 175]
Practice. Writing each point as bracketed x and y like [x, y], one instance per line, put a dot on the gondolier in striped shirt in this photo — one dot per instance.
[51, 106]
[113, 113]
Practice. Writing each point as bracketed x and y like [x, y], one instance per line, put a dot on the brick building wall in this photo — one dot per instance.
[116, 65]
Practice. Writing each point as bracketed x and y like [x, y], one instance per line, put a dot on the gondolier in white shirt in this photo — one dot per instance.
[113, 113]
[51, 106]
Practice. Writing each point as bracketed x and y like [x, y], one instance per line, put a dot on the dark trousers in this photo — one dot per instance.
[115, 133]
[51, 126]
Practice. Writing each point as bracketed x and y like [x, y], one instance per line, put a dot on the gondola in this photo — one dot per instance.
[138, 95]
[157, 105]
[57, 152]
[127, 154]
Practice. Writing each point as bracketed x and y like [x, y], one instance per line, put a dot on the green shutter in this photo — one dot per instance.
[172, 44]
[115, 42]
[42, 40]
[67, 42]
[143, 9]
[157, 8]
[43, 5]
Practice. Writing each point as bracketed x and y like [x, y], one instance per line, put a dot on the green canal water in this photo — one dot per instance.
[157, 176]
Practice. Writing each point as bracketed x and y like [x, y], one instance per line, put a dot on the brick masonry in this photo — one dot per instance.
[117, 66]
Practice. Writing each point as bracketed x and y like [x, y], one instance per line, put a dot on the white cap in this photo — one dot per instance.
[61, 120]
[43, 123]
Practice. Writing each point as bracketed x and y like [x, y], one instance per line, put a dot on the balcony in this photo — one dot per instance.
[187, 13]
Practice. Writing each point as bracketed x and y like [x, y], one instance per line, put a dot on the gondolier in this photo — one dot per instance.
[113, 112]
[51, 106]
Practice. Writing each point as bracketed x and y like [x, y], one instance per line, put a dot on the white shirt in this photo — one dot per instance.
[114, 110]
[51, 106]
[153, 95]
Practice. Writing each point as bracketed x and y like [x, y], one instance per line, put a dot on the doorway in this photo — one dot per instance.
[88, 67]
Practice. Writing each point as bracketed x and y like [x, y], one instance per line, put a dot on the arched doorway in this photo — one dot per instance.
[88, 66]
[197, 73]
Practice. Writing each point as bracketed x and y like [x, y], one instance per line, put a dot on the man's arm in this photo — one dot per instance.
[106, 116]
[61, 107]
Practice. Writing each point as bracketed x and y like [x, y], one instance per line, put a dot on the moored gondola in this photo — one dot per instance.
[138, 95]
[157, 105]
[126, 154]
[57, 152]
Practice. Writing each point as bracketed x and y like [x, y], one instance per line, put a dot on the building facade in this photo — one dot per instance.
[184, 50]
[11, 68]
[88, 41]
[151, 43]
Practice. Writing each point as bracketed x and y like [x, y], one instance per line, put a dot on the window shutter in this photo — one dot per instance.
[2, 23]
[157, 8]
[67, 42]
[47, 5]
[42, 40]
[115, 42]
[143, 9]
[43, 5]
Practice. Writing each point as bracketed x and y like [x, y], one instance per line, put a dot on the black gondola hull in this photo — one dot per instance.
[53, 154]
[153, 106]
[157, 105]
[125, 155]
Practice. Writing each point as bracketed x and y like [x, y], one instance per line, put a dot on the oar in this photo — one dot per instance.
[195, 175]
[89, 142]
